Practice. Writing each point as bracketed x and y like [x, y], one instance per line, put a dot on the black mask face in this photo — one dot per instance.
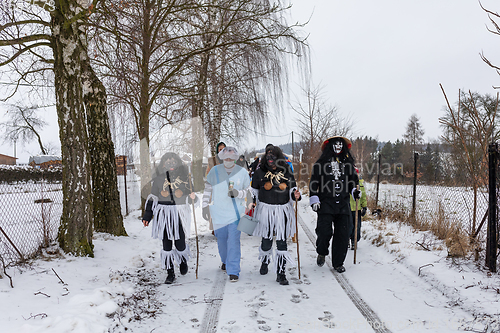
[271, 159]
[170, 164]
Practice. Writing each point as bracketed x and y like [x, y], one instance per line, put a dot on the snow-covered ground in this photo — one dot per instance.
[395, 280]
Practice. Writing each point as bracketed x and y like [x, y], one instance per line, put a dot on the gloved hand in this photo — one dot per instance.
[315, 206]
[233, 193]
[296, 195]
[206, 213]
[363, 211]
[356, 194]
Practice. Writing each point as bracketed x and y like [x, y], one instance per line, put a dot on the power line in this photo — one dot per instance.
[25, 84]
[271, 136]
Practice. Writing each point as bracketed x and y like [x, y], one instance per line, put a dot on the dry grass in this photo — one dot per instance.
[442, 226]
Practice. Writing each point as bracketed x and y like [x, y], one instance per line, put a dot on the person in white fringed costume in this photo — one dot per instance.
[274, 190]
[169, 206]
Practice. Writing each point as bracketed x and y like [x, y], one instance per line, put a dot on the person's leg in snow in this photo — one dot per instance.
[228, 243]
[340, 241]
[182, 251]
[282, 256]
[265, 253]
[167, 258]
[324, 233]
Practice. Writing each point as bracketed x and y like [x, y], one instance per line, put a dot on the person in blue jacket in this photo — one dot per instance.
[228, 184]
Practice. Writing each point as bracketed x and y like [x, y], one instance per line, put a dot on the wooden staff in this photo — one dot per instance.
[356, 228]
[296, 217]
[195, 227]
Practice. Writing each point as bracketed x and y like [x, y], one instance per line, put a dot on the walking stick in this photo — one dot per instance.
[356, 228]
[296, 218]
[195, 228]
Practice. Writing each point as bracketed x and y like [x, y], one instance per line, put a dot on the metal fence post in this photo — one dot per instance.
[125, 181]
[378, 179]
[415, 159]
[491, 233]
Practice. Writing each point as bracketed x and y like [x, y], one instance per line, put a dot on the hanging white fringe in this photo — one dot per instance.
[272, 220]
[167, 259]
[153, 198]
[281, 256]
[179, 255]
[166, 217]
[265, 256]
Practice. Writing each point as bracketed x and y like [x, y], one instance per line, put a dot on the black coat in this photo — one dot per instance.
[174, 192]
[273, 195]
[332, 182]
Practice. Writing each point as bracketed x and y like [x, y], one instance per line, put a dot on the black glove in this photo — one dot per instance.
[293, 196]
[148, 215]
[206, 213]
[233, 193]
[363, 211]
[315, 206]
[356, 194]
[191, 201]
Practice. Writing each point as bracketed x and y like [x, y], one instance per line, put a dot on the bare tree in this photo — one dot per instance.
[494, 18]
[24, 125]
[54, 37]
[468, 129]
[317, 120]
[166, 60]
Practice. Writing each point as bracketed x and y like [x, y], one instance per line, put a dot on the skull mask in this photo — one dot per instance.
[337, 147]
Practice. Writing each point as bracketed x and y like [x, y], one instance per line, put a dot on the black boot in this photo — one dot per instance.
[320, 260]
[170, 276]
[263, 268]
[281, 277]
[183, 267]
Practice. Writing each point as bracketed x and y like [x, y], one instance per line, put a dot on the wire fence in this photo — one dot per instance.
[30, 213]
[457, 212]
[29, 217]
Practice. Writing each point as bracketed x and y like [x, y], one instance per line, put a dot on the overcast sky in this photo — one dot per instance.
[381, 61]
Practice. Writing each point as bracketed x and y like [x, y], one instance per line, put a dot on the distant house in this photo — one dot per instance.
[8, 160]
[45, 161]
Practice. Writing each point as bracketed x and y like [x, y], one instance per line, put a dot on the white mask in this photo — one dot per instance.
[229, 164]
[337, 147]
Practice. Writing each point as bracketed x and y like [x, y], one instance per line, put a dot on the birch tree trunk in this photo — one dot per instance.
[75, 231]
[106, 198]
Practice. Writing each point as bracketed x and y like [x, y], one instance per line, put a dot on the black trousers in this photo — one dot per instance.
[267, 243]
[180, 244]
[340, 232]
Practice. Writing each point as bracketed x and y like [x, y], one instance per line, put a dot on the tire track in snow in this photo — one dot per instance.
[373, 320]
[211, 316]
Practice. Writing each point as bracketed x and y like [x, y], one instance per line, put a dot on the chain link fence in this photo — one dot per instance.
[455, 211]
[31, 203]
[30, 211]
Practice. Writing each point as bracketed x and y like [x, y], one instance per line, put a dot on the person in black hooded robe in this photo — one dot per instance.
[333, 180]
[169, 206]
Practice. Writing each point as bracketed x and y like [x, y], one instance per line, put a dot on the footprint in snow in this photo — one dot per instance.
[327, 319]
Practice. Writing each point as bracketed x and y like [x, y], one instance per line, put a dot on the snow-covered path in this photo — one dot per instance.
[122, 290]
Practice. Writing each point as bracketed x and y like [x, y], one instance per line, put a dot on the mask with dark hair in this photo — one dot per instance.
[170, 164]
